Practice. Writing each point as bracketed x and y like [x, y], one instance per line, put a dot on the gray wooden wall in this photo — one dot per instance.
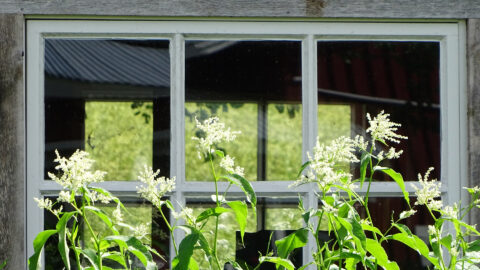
[12, 131]
[12, 98]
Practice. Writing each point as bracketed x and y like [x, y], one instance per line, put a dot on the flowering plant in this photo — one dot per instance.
[353, 241]
[75, 176]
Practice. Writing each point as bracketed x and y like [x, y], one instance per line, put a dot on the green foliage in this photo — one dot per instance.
[117, 139]
[93, 236]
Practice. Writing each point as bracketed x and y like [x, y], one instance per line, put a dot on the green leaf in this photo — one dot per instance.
[295, 240]
[371, 228]
[245, 185]
[135, 247]
[220, 153]
[305, 266]
[345, 255]
[474, 246]
[277, 261]
[117, 257]
[447, 241]
[214, 211]
[91, 255]
[4, 263]
[379, 253]
[357, 231]
[38, 243]
[415, 243]
[192, 264]
[398, 178]
[185, 251]
[62, 238]
[403, 228]
[235, 265]
[201, 240]
[302, 168]
[103, 216]
[364, 161]
[241, 212]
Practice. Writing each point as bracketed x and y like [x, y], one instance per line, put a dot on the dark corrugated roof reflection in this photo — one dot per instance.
[107, 61]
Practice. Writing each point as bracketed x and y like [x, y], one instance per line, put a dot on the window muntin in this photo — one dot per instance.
[451, 38]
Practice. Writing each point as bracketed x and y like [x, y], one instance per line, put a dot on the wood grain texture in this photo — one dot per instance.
[473, 58]
[12, 165]
[251, 8]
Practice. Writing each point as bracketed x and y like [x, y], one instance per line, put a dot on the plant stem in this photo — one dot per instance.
[170, 229]
[218, 205]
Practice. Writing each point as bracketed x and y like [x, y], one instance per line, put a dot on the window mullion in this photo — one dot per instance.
[177, 149]
[309, 127]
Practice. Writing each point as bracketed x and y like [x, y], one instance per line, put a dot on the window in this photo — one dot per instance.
[128, 93]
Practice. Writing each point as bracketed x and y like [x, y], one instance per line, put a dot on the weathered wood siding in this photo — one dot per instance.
[12, 162]
[473, 69]
[252, 8]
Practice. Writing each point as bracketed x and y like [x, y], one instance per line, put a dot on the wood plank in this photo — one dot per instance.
[473, 58]
[12, 165]
[251, 8]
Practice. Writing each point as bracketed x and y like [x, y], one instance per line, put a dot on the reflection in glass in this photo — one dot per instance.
[257, 83]
[110, 98]
[118, 140]
[237, 116]
[284, 150]
[274, 215]
[146, 220]
[401, 78]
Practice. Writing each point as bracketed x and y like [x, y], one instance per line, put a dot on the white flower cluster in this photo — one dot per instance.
[117, 214]
[407, 213]
[450, 211]
[430, 189]
[143, 230]
[187, 215]
[94, 197]
[47, 204]
[381, 128]
[228, 163]
[215, 132]
[155, 186]
[432, 230]
[324, 161]
[76, 171]
[329, 209]
[391, 154]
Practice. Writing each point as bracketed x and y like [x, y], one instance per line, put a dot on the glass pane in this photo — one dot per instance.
[275, 216]
[145, 219]
[401, 78]
[110, 98]
[237, 116]
[381, 210]
[118, 140]
[255, 86]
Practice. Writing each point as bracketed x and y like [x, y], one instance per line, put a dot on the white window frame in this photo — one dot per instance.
[450, 35]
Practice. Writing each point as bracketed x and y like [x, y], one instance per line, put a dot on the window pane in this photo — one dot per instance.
[255, 86]
[145, 219]
[118, 140]
[237, 116]
[276, 216]
[401, 78]
[110, 98]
